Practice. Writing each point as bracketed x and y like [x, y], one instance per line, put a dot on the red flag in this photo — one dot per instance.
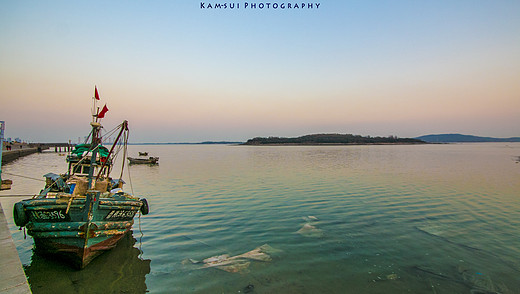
[96, 94]
[101, 114]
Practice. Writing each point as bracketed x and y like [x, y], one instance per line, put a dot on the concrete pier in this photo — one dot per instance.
[8, 156]
[17, 150]
[12, 276]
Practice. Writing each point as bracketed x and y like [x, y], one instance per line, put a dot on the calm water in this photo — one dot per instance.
[347, 219]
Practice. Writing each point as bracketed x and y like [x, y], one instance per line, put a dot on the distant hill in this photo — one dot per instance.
[459, 138]
[331, 139]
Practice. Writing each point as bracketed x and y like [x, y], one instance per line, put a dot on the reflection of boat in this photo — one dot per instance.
[149, 160]
[84, 212]
[143, 153]
[120, 270]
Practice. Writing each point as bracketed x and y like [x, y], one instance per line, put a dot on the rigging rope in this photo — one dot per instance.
[23, 177]
[125, 151]
[111, 133]
[18, 195]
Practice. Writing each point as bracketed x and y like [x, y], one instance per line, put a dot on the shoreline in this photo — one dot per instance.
[331, 144]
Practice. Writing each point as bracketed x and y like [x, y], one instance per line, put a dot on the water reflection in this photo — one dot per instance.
[120, 270]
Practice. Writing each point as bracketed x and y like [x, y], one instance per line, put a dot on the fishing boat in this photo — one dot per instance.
[149, 160]
[143, 153]
[84, 212]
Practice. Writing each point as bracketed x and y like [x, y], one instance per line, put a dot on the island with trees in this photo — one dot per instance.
[332, 139]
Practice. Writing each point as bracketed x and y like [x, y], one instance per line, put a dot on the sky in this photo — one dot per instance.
[180, 71]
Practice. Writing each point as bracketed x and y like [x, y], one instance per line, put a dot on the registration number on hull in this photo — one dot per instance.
[50, 215]
[120, 215]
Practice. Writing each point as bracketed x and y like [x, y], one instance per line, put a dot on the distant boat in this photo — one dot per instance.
[83, 212]
[143, 153]
[149, 160]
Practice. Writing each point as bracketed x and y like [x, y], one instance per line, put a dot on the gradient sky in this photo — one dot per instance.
[179, 73]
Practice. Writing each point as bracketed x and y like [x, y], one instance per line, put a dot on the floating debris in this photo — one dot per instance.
[310, 231]
[238, 263]
[310, 218]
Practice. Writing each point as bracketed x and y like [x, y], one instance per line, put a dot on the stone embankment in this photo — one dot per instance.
[16, 151]
[13, 151]
[8, 156]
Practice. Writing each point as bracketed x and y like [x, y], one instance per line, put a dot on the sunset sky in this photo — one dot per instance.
[181, 73]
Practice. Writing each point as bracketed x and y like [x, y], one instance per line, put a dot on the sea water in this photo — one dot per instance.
[441, 218]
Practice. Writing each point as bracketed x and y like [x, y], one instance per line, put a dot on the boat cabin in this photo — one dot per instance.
[80, 161]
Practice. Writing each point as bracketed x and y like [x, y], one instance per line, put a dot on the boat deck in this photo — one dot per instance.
[13, 278]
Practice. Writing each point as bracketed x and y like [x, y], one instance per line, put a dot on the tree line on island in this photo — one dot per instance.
[331, 139]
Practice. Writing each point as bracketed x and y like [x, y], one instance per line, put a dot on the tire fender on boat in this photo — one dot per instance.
[145, 209]
[20, 218]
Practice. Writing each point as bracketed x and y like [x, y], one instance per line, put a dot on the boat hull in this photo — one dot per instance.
[81, 230]
[77, 255]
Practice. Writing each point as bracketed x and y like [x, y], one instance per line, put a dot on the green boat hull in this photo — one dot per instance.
[79, 229]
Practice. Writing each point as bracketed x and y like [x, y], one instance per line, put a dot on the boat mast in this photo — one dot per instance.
[96, 140]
